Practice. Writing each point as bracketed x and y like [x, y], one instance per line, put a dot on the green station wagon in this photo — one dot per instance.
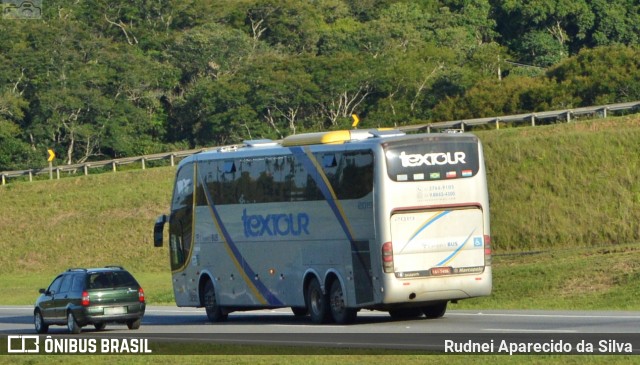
[79, 297]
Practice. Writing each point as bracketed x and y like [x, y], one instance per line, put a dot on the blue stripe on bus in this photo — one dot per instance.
[325, 188]
[425, 225]
[454, 253]
[266, 294]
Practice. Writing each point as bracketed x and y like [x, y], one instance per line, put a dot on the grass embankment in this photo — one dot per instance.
[570, 190]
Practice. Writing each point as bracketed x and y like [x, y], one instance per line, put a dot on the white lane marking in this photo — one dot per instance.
[621, 316]
[512, 330]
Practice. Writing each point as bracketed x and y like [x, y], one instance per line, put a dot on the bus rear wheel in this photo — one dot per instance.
[339, 311]
[435, 310]
[214, 311]
[317, 303]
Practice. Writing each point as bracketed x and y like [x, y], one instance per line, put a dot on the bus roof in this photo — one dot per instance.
[266, 147]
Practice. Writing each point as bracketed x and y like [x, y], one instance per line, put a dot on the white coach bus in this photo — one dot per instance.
[330, 223]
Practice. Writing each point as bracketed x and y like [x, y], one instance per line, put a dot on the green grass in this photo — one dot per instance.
[565, 185]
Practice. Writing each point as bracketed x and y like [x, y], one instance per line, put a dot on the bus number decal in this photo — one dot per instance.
[257, 225]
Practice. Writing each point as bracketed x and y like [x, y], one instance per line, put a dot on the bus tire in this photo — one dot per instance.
[339, 311]
[214, 311]
[317, 303]
[435, 310]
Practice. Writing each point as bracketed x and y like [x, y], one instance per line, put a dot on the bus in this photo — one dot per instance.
[331, 223]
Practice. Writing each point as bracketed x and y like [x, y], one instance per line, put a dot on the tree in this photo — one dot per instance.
[566, 22]
[601, 75]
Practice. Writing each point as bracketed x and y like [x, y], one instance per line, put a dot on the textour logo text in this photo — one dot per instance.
[431, 159]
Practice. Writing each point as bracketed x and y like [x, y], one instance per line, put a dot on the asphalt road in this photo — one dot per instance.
[371, 329]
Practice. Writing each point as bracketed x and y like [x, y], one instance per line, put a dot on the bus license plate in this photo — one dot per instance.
[440, 271]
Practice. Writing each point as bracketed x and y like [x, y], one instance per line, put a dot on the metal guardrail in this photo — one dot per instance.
[84, 167]
[565, 115]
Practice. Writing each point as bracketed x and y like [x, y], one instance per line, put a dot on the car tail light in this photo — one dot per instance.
[487, 250]
[387, 257]
[85, 299]
[141, 295]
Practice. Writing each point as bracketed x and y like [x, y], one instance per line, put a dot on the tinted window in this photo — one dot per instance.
[55, 285]
[350, 173]
[78, 283]
[66, 283]
[283, 179]
[180, 222]
[432, 158]
[111, 279]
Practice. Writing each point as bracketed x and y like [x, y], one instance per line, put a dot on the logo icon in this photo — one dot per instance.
[22, 9]
[23, 344]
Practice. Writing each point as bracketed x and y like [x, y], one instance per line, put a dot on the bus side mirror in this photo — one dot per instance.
[158, 230]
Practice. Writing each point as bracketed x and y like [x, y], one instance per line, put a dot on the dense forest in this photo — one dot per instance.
[95, 80]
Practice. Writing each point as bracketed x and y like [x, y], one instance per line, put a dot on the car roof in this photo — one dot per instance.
[97, 269]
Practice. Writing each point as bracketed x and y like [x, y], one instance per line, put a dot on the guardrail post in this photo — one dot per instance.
[533, 120]
[604, 112]
[569, 117]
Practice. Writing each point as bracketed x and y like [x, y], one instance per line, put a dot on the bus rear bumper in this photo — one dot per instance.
[434, 289]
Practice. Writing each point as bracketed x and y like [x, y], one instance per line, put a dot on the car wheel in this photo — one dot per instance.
[340, 313]
[38, 321]
[72, 324]
[100, 326]
[134, 324]
[317, 303]
[214, 311]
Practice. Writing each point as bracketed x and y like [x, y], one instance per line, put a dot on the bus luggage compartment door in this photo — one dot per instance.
[438, 242]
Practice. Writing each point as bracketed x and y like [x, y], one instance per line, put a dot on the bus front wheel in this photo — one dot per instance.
[317, 303]
[214, 311]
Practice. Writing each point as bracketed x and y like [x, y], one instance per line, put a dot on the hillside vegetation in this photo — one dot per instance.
[566, 185]
[570, 190]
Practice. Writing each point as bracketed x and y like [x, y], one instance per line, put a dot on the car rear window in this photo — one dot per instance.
[111, 279]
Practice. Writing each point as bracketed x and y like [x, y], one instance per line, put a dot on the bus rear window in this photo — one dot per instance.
[438, 158]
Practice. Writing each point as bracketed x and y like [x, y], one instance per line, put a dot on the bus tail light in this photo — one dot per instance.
[487, 250]
[387, 257]
[85, 299]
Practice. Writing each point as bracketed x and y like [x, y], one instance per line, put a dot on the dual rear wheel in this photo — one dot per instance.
[323, 307]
